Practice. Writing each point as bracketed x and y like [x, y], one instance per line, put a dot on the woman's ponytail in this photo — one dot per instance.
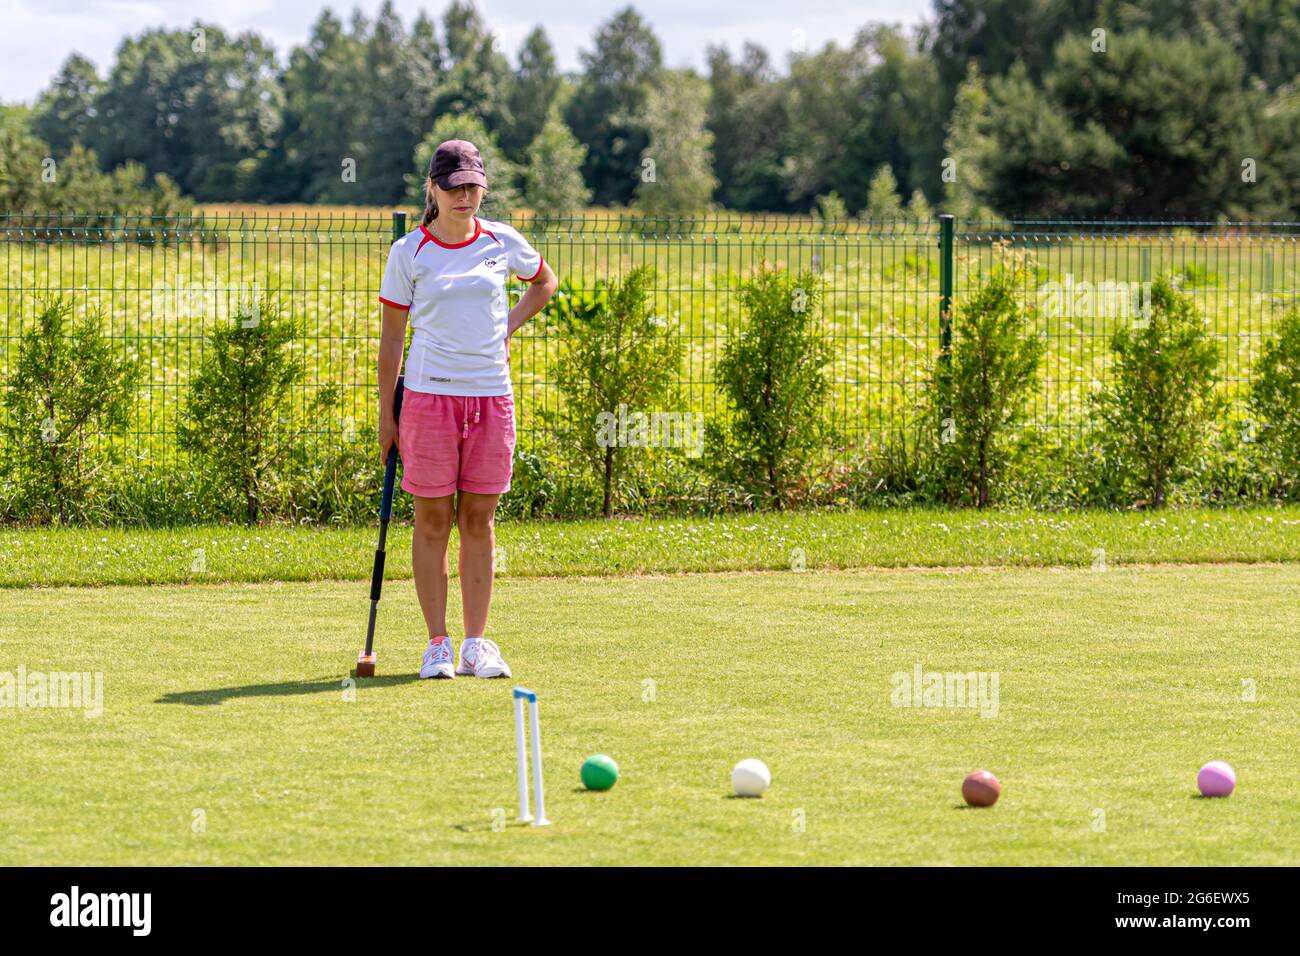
[430, 206]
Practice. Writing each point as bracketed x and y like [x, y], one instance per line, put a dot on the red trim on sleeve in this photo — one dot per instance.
[535, 274]
[395, 305]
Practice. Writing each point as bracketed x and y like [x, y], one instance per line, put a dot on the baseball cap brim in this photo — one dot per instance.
[460, 177]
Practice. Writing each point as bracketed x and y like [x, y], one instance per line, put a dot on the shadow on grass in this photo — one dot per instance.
[489, 828]
[219, 695]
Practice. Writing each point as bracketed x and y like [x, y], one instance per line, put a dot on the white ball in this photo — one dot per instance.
[750, 778]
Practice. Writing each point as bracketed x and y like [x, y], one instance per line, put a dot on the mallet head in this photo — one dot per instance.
[366, 664]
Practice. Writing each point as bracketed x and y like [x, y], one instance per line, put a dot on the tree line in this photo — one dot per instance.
[1185, 109]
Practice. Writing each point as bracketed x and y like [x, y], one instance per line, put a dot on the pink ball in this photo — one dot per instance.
[1216, 779]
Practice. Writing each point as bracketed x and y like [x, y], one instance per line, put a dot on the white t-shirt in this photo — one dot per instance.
[458, 306]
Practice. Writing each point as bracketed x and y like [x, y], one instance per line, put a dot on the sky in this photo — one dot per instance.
[39, 35]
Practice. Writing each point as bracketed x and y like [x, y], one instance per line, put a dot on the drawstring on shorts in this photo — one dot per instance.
[464, 432]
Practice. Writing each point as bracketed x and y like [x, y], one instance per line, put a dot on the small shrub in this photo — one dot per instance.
[979, 392]
[618, 357]
[1159, 411]
[773, 374]
[239, 420]
[1275, 403]
[69, 394]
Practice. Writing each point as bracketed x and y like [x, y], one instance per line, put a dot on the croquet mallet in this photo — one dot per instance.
[366, 659]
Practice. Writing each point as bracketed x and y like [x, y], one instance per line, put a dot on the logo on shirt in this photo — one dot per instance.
[490, 263]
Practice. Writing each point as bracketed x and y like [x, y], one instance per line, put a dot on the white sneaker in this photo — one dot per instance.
[482, 658]
[437, 659]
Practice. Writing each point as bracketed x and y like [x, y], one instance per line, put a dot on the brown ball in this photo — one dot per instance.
[981, 789]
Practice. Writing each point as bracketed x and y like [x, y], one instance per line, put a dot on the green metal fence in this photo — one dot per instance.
[163, 285]
[1089, 278]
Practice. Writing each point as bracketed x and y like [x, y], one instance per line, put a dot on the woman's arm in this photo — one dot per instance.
[391, 339]
[533, 301]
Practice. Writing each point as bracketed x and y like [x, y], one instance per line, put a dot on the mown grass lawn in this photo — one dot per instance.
[922, 537]
[227, 735]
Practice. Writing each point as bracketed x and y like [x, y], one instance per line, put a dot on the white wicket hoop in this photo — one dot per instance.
[521, 757]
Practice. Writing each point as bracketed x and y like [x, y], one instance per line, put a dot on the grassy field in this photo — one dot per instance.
[766, 541]
[227, 735]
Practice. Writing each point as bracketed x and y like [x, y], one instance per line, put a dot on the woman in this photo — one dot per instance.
[457, 431]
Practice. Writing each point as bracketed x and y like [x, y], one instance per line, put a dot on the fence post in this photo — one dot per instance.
[946, 223]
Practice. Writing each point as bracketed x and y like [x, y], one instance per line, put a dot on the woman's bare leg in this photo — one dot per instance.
[433, 518]
[475, 517]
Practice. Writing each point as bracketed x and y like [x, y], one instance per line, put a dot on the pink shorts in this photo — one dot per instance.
[456, 442]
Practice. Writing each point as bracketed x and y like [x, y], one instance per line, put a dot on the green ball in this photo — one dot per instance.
[599, 772]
